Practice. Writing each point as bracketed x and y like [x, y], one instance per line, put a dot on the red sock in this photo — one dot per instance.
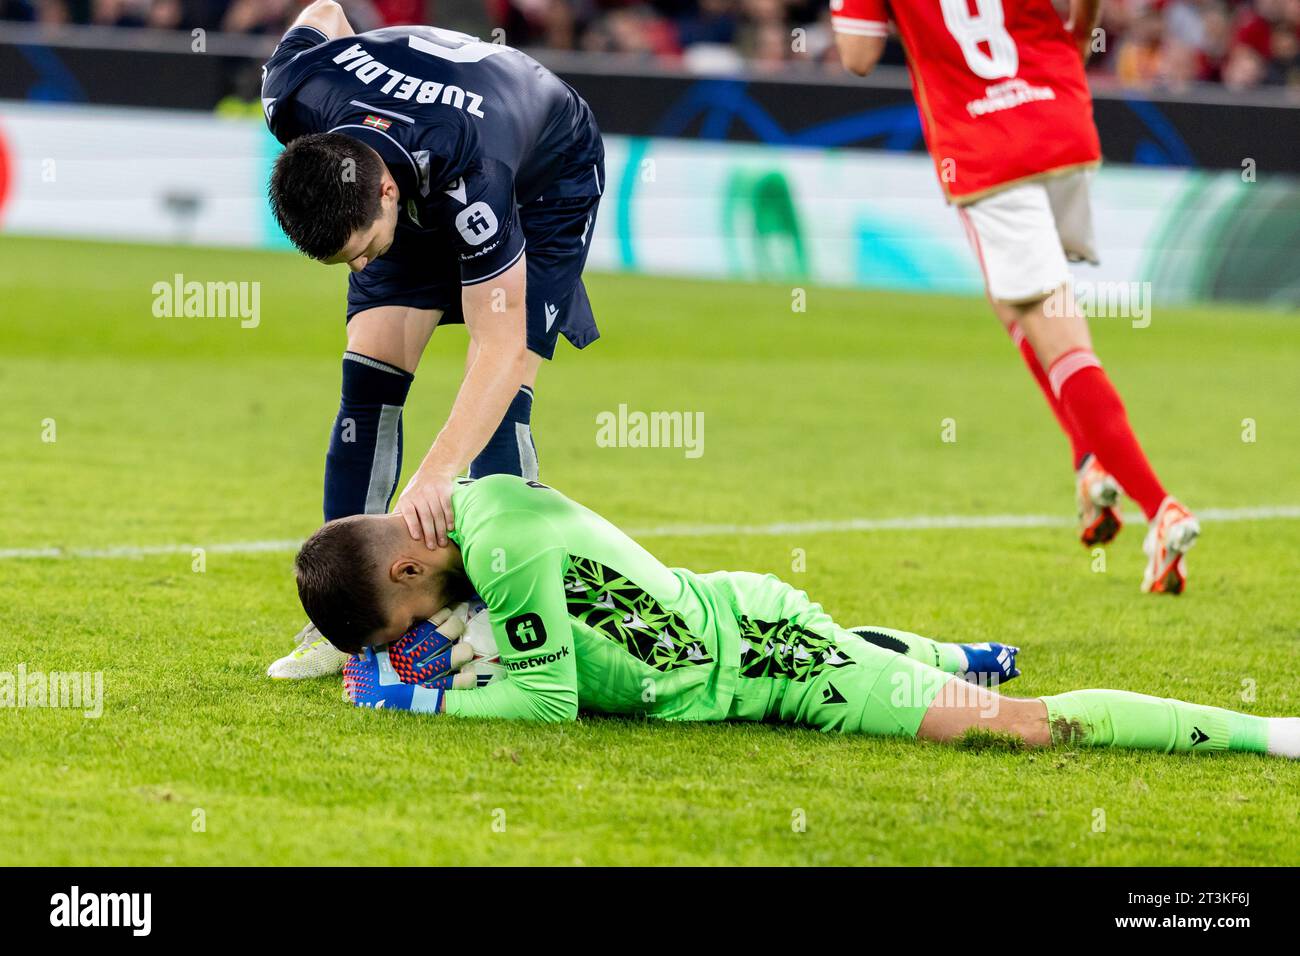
[1078, 447]
[1092, 403]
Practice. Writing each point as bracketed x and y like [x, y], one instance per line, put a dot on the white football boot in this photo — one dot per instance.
[1173, 531]
[313, 657]
[1097, 493]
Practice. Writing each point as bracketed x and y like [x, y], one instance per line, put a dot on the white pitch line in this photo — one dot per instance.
[149, 550]
[938, 522]
[914, 523]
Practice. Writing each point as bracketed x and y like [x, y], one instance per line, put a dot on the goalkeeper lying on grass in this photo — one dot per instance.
[584, 617]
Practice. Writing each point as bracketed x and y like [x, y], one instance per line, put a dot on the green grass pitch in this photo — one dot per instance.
[175, 431]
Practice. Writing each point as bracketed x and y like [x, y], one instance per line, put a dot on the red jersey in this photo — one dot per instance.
[1001, 90]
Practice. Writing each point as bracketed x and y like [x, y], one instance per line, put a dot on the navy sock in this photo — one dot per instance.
[365, 453]
[510, 451]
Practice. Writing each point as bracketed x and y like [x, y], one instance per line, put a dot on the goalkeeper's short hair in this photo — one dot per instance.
[338, 583]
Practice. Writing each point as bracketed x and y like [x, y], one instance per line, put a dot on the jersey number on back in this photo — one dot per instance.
[986, 26]
[453, 46]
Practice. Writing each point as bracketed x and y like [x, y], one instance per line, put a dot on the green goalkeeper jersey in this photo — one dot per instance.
[584, 616]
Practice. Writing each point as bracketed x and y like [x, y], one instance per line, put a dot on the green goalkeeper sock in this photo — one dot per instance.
[949, 658]
[1117, 718]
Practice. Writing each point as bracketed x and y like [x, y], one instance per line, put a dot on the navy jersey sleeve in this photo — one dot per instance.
[281, 75]
[485, 221]
[475, 201]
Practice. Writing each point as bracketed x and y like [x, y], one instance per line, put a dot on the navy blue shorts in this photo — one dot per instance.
[420, 270]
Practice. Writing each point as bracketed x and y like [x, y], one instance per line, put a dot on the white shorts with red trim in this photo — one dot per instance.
[1027, 235]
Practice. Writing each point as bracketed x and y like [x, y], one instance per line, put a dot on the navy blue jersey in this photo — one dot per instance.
[469, 130]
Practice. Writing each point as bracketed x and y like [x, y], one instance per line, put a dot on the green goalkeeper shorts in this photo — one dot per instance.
[799, 666]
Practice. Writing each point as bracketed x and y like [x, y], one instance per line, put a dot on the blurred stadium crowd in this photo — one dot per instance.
[1149, 44]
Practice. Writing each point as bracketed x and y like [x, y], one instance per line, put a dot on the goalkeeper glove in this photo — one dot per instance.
[410, 674]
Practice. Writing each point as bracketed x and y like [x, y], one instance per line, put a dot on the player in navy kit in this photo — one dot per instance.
[459, 181]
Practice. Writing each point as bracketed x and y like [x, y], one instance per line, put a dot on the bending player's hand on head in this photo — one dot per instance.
[426, 505]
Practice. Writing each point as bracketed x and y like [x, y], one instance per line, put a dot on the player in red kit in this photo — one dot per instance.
[1007, 117]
